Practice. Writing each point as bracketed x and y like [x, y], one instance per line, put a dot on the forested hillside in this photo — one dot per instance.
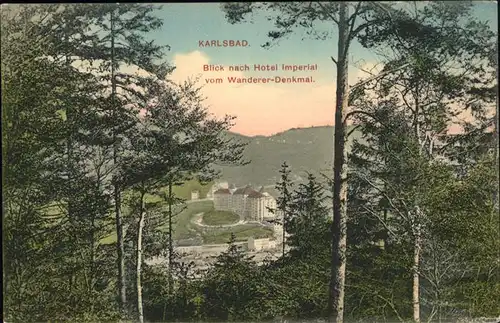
[305, 150]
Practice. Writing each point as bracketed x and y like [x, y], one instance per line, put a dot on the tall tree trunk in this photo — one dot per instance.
[70, 172]
[497, 134]
[69, 150]
[416, 277]
[339, 225]
[140, 228]
[497, 160]
[92, 260]
[170, 237]
[6, 143]
[417, 242]
[93, 242]
[120, 245]
[283, 235]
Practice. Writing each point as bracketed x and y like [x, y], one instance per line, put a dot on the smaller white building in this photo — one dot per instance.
[261, 244]
[195, 195]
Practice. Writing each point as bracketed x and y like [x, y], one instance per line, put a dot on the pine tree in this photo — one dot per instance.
[283, 210]
[66, 172]
[115, 45]
[230, 284]
[309, 226]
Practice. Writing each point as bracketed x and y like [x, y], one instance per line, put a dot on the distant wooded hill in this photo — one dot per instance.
[304, 149]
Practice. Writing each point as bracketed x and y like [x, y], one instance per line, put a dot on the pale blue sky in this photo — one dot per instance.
[186, 23]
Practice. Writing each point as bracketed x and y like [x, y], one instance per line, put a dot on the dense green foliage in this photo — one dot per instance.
[79, 130]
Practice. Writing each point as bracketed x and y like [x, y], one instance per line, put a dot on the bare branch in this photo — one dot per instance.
[352, 21]
[354, 112]
[385, 225]
[334, 60]
[328, 13]
[352, 130]
[402, 214]
[375, 77]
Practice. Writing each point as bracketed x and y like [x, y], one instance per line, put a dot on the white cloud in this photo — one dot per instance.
[259, 108]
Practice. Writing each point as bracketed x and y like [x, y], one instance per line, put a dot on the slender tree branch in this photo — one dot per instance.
[354, 112]
[375, 77]
[352, 130]
[328, 13]
[385, 225]
[352, 22]
[389, 199]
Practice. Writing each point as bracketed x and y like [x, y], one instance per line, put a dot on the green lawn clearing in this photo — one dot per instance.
[215, 217]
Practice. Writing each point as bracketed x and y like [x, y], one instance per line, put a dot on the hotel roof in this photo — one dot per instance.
[222, 191]
[244, 190]
[255, 195]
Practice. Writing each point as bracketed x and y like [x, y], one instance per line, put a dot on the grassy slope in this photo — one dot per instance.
[182, 228]
[183, 191]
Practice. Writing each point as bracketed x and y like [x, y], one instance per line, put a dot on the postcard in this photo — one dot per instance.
[250, 161]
